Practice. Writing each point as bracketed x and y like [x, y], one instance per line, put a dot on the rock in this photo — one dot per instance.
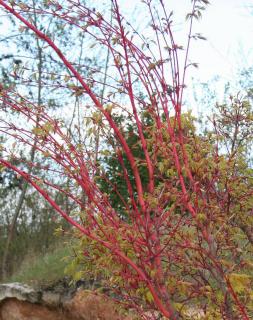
[59, 302]
[19, 291]
[52, 299]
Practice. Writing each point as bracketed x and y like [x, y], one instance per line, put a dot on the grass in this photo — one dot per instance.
[38, 269]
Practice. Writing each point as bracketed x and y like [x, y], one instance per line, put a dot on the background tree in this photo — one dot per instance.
[29, 68]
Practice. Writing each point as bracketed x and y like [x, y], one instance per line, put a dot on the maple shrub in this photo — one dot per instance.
[162, 213]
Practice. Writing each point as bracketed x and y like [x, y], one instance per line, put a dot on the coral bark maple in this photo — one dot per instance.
[168, 238]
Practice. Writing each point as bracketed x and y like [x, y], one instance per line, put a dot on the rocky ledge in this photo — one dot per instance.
[57, 302]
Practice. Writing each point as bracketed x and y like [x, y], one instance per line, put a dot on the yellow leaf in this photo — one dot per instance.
[149, 297]
[239, 282]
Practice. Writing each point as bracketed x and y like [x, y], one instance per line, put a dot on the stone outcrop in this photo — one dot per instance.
[58, 302]
[19, 291]
[62, 302]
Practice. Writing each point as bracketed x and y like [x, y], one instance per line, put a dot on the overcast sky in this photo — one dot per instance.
[228, 27]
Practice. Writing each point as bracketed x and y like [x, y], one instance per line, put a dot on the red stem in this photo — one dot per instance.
[91, 95]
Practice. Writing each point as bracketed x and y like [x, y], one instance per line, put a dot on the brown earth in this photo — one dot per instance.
[83, 305]
[13, 309]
